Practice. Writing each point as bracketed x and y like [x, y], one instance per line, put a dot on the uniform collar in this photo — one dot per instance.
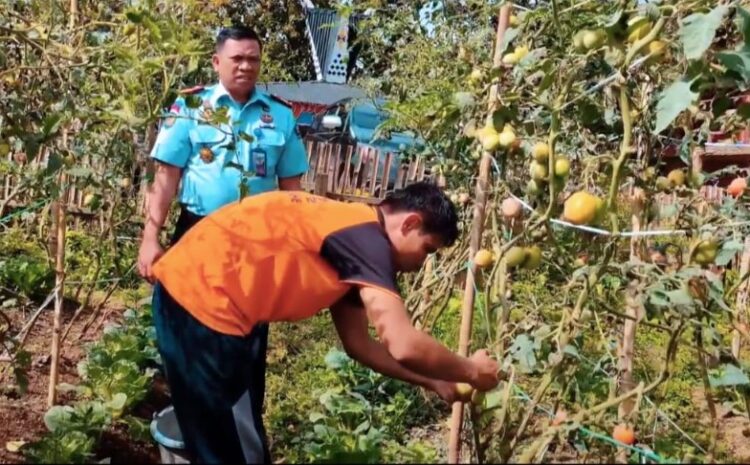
[220, 91]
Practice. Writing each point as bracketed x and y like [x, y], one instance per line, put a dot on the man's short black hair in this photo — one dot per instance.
[437, 210]
[237, 33]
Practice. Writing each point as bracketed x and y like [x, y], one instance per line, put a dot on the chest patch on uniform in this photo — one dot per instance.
[206, 155]
[267, 118]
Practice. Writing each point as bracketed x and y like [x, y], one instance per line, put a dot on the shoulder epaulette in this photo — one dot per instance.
[282, 101]
[191, 90]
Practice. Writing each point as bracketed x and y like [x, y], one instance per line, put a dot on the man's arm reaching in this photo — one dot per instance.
[419, 352]
[351, 324]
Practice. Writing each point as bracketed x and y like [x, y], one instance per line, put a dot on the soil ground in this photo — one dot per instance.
[21, 416]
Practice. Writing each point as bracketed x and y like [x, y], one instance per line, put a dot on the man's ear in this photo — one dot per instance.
[412, 222]
[215, 61]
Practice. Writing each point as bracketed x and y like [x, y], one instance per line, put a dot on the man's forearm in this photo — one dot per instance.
[374, 355]
[159, 199]
[427, 357]
[156, 215]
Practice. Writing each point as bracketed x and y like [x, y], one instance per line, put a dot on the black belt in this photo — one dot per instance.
[185, 221]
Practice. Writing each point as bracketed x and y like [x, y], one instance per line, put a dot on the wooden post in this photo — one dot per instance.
[385, 181]
[59, 209]
[633, 309]
[73, 13]
[467, 312]
[60, 219]
[321, 184]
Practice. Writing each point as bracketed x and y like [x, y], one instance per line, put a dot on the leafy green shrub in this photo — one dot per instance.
[73, 433]
[24, 267]
[363, 418]
[114, 377]
[88, 259]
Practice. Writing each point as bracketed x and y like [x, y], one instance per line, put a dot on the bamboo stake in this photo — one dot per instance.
[454, 442]
[626, 347]
[62, 201]
[59, 282]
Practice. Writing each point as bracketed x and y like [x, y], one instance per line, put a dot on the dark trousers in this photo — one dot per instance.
[169, 333]
[185, 221]
[217, 384]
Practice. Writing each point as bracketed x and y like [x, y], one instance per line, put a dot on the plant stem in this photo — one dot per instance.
[710, 404]
[619, 163]
[540, 391]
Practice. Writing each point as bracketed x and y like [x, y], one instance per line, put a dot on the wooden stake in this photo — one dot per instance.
[73, 13]
[59, 282]
[62, 203]
[467, 312]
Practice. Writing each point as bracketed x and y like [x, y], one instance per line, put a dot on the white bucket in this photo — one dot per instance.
[166, 433]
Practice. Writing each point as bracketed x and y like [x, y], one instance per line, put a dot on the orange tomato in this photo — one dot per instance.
[737, 187]
[560, 418]
[624, 434]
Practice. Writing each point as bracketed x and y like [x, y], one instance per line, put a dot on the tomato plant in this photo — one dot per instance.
[605, 282]
[599, 109]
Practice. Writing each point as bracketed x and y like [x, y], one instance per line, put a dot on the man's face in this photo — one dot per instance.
[238, 64]
[411, 244]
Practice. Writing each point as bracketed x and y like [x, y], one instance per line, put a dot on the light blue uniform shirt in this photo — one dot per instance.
[276, 150]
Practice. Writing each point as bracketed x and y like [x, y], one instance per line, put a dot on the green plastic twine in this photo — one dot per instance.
[33, 206]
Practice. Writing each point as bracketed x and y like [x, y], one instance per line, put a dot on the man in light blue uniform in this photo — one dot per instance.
[218, 144]
[214, 156]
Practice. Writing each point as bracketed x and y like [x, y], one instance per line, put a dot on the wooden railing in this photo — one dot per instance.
[362, 174]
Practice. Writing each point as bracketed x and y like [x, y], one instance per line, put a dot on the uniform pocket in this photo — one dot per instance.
[271, 141]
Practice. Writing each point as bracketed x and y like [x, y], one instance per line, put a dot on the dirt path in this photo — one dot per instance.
[21, 417]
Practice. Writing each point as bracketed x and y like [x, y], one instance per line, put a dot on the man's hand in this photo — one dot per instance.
[447, 390]
[149, 252]
[486, 376]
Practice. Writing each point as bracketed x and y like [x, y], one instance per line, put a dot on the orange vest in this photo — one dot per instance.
[277, 256]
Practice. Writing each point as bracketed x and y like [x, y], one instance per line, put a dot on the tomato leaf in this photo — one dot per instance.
[54, 163]
[737, 61]
[134, 17]
[51, 124]
[743, 17]
[727, 375]
[57, 417]
[510, 35]
[728, 251]
[680, 298]
[673, 101]
[193, 101]
[523, 352]
[697, 31]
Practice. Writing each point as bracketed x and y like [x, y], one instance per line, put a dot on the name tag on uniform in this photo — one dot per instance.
[259, 161]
